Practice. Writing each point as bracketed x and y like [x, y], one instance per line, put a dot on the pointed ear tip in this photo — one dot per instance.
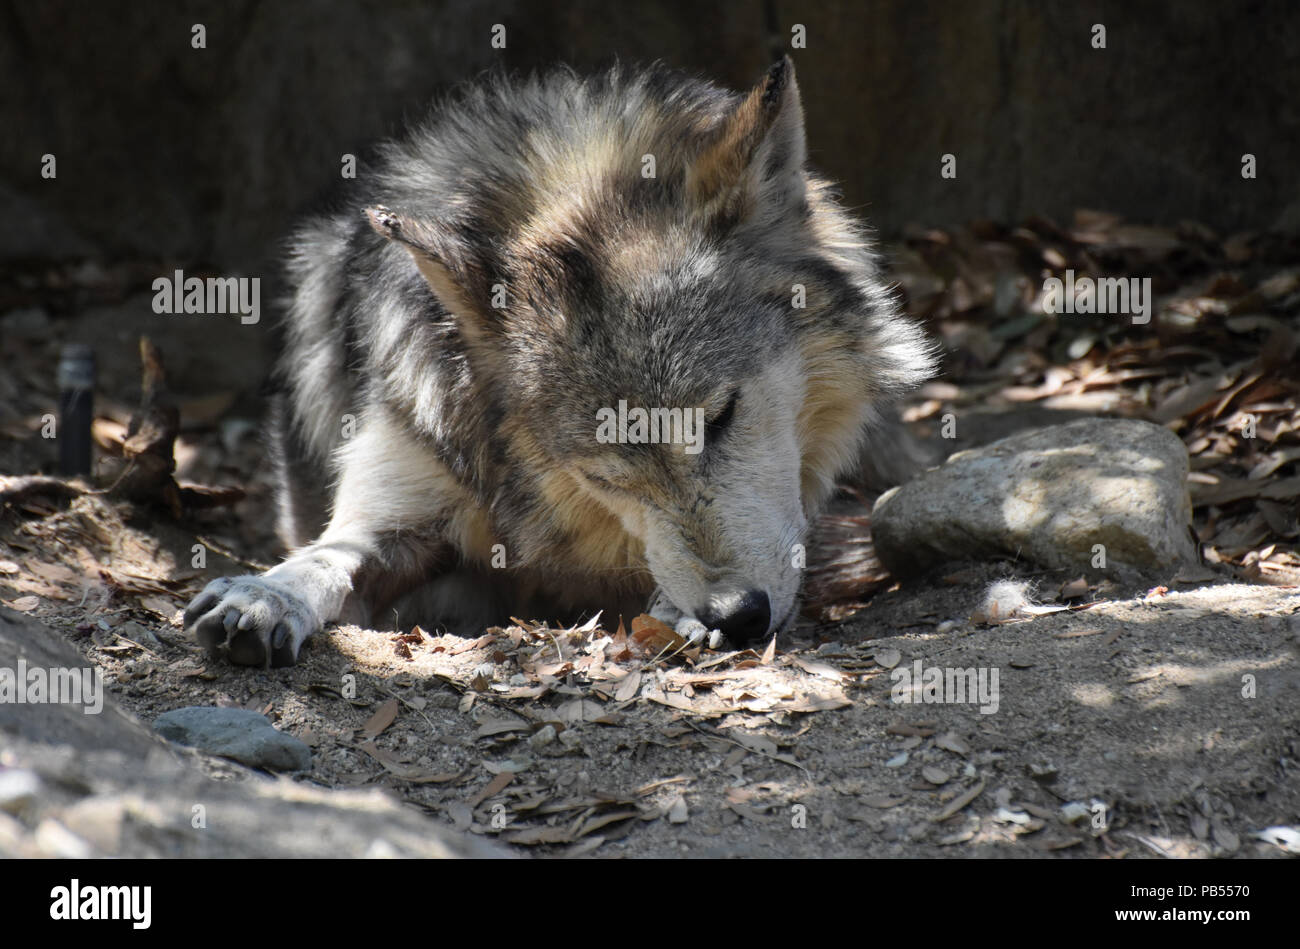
[780, 76]
[383, 220]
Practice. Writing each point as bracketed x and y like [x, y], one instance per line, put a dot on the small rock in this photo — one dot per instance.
[99, 820]
[1047, 496]
[54, 840]
[935, 776]
[381, 849]
[1224, 836]
[1200, 827]
[570, 738]
[1044, 772]
[235, 733]
[898, 760]
[138, 633]
[18, 788]
[542, 737]
[1074, 811]
[677, 811]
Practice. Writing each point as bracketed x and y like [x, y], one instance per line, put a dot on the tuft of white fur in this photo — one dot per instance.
[1004, 600]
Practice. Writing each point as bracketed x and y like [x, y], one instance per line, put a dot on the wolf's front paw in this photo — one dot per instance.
[253, 621]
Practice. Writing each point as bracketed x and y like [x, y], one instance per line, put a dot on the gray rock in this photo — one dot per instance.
[1047, 496]
[18, 789]
[139, 633]
[542, 737]
[235, 733]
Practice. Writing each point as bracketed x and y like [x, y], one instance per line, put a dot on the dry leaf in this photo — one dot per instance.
[383, 717]
[677, 812]
[951, 741]
[164, 608]
[960, 801]
[884, 801]
[492, 788]
[888, 658]
[55, 573]
[1076, 633]
[823, 669]
[500, 726]
[909, 731]
[401, 771]
[628, 687]
[1074, 589]
[655, 636]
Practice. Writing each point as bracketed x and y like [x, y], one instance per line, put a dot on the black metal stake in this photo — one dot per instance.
[76, 408]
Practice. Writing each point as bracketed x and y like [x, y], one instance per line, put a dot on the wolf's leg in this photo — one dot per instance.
[688, 627]
[391, 497]
[302, 481]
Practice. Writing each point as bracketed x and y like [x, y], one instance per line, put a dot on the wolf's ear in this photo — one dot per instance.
[433, 261]
[757, 154]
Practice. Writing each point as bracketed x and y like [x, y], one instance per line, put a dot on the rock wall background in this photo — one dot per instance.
[207, 155]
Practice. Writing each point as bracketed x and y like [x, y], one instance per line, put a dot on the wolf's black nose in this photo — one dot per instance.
[742, 617]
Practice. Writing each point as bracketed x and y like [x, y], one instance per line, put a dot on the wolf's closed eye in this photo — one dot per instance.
[718, 424]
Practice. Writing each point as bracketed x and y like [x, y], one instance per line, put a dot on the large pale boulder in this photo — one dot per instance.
[1099, 494]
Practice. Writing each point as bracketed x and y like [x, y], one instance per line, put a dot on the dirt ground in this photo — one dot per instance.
[1141, 721]
[1136, 708]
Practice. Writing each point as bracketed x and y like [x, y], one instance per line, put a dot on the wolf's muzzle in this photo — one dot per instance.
[742, 617]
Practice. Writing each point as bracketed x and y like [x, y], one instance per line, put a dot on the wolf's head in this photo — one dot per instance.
[680, 322]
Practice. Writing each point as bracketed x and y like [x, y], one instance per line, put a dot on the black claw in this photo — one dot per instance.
[199, 607]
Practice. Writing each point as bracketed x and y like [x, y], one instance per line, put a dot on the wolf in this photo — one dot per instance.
[540, 255]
